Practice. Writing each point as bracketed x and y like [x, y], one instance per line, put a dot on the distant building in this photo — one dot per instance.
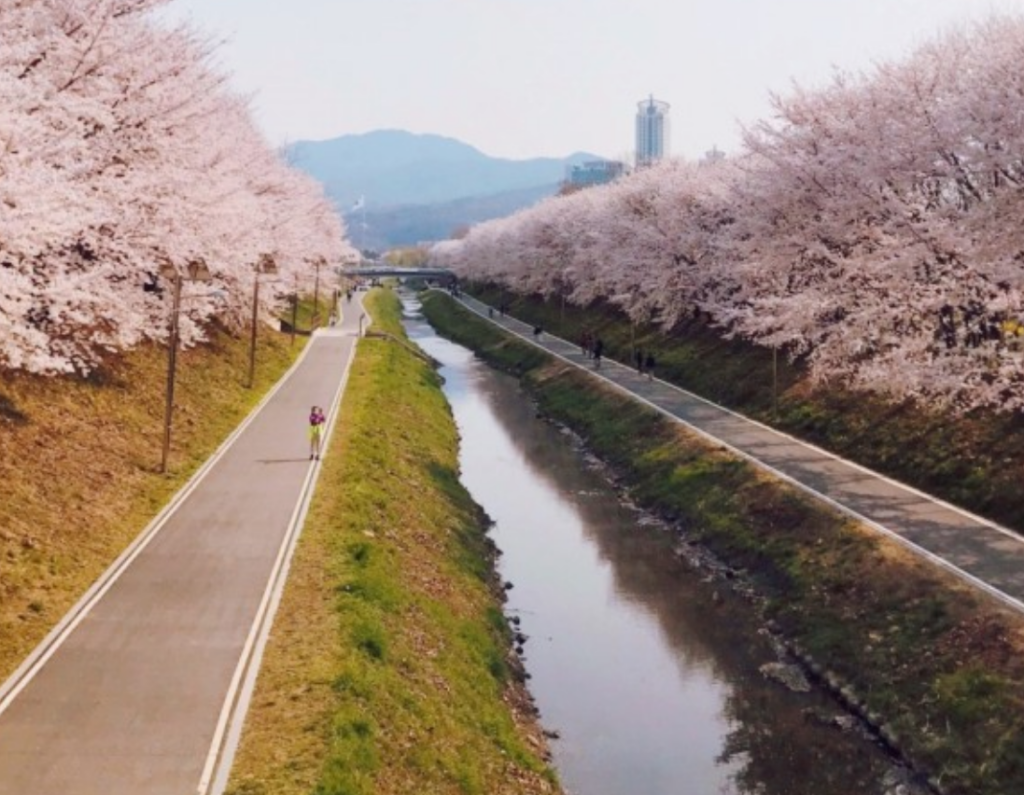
[652, 131]
[714, 155]
[594, 172]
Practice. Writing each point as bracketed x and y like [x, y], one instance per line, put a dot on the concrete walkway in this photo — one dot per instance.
[138, 689]
[982, 553]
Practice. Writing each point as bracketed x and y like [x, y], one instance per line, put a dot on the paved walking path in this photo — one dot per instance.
[984, 554]
[135, 694]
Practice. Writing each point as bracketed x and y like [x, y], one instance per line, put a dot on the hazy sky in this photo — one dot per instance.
[525, 78]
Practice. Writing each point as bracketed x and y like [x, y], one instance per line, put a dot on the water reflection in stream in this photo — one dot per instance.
[648, 673]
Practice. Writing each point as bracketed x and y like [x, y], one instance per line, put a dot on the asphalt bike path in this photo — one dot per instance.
[143, 686]
[984, 554]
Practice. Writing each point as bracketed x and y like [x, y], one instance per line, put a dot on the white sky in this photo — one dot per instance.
[529, 78]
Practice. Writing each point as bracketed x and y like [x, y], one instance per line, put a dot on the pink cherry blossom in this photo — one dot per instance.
[122, 147]
[871, 227]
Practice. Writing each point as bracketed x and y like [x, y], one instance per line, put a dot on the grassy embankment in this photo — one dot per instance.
[941, 667]
[79, 462]
[388, 668]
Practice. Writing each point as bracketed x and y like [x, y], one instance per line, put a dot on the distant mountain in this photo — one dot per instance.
[403, 176]
[407, 225]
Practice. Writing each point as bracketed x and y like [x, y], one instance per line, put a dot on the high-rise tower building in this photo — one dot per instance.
[652, 131]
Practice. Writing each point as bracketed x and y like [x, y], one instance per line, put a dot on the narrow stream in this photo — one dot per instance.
[648, 671]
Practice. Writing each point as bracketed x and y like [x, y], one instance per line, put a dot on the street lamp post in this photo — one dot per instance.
[295, 314]
[563, 285]
[196, 271]
[320, 262]
[172, 360]
[265, 265]
[775, 382]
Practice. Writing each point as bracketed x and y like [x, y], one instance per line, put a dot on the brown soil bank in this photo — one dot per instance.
[939, 666]
[79, 462]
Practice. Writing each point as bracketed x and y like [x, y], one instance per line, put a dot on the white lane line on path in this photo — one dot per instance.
[228, 734]
[56, 638]
[988, 588]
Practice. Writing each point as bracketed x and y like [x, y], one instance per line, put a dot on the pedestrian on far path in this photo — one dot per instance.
[638, 357]
[316, 432]
[598, 350]
[649, 365]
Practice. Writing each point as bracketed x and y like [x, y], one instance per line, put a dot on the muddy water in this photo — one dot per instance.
[646, 667]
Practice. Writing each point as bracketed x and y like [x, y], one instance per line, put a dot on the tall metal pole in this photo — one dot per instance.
[775, 382]
[172, 361]
[316, 297]
[252, 336]
[295, 315]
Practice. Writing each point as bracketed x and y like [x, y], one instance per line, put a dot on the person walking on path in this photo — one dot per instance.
[638, 357]
[598, 350]
[316, 432]
[649, 365]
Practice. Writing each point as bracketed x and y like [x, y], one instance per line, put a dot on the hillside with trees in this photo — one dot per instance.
[123, 153]
[869, 229]
[407, 225]
[389, 168]
[399, 188]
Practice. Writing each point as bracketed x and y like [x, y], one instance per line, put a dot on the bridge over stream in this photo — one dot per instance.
[386, 271]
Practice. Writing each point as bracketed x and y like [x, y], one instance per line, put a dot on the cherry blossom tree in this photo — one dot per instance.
[870, 227]
[869, 260]
[121, 148]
